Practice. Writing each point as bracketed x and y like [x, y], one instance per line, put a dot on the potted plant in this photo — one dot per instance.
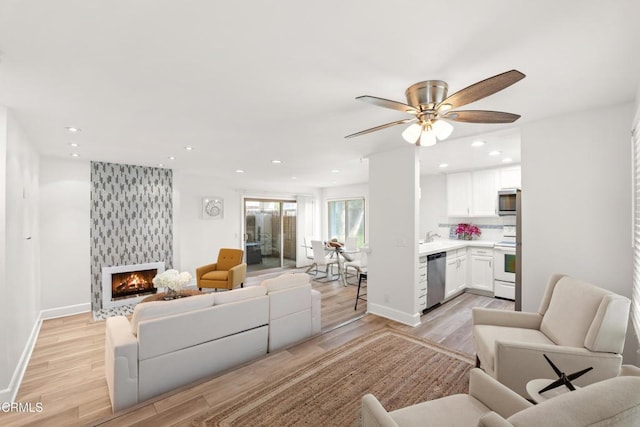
[467, 231]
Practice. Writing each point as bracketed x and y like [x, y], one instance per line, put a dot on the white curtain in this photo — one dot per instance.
[305, 227]
[635, 293]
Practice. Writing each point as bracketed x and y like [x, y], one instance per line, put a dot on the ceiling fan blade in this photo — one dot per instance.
[398, 122]
[387, 103]
[480, 116]
[483, 88]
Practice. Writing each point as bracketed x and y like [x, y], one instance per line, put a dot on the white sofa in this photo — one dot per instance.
[168, 344]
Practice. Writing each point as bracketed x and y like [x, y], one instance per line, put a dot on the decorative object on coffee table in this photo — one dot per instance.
[173, 281]
[160, 296]
[563, 379]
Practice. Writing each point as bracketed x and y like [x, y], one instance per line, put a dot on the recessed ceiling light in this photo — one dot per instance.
[73, 144]
[507, 160]
[443, 165]
[294, 177]
[335, 171]
[276, 162]
[171, 158]
[160, 165]
[478, 143]
[188, 148]
[239, 171]
[73, 129]
[75, 155]
[495, 153]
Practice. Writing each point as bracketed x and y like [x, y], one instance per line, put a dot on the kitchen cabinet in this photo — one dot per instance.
[456, 272]
[510, 177]
[472, 193]
[481, 276]
[458, 194]
[421, 288]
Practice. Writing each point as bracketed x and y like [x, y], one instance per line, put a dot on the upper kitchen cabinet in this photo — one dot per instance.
[472, 193]
[510, 177]
[458, 194]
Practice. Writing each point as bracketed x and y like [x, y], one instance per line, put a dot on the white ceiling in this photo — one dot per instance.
[248, 82]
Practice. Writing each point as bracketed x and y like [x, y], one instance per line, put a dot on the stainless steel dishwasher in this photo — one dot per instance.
[436, 273]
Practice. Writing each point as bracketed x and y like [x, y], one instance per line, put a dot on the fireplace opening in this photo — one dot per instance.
[133, 283]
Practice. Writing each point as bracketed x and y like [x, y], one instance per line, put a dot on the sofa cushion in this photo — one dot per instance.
[571, 311]
[216, 275]
[239, 294]
[458, 409]
[286, 281]
[155, 309]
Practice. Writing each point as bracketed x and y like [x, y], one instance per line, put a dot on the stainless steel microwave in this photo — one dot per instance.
[507, 201]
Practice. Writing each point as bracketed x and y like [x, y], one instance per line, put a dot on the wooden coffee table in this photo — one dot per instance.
[183, 294]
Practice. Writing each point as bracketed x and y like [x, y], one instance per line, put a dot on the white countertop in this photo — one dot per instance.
[447, 245]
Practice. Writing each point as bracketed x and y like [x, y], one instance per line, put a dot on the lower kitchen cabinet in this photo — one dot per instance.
[481, 277]
[456, 273]
[421, 290]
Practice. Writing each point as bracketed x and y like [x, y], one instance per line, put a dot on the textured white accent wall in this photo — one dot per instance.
[393, 235]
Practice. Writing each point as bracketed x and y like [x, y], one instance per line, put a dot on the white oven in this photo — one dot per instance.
[505, 270]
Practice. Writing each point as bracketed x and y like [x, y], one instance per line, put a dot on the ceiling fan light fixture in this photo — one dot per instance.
[428, 137]
[442, 129]
[412, 133]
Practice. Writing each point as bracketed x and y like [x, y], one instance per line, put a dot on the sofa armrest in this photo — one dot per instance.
[492, 419]
[205, 269]
[373, 414]
[121, 363]
[494, 395]
[237, 274]
[512, 319]
[629, 371]
[517, 363]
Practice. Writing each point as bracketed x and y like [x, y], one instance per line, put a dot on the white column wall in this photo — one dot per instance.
[20, 302]
[393, 235]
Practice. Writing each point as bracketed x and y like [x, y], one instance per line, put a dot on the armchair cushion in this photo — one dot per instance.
[228, 258]
[221, 275]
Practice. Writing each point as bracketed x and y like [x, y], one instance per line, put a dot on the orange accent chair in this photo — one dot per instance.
[228, 272]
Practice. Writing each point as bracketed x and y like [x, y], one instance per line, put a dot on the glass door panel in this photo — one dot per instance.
[265, 236]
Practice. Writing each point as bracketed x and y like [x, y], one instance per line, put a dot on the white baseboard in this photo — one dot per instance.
[9, 394]
[69, 310]
[393, 314]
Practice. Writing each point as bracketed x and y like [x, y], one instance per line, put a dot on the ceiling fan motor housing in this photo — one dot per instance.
[428, 93]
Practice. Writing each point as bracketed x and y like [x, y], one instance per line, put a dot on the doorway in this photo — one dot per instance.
[270, 233]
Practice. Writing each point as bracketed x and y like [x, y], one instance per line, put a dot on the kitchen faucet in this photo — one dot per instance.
[431, 236]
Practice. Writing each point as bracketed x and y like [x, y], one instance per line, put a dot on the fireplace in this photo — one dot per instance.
[128, 284]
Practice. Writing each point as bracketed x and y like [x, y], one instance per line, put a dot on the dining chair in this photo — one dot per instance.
[321, 259]
[358, 263]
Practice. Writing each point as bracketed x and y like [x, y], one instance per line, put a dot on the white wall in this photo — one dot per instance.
[576, 204]
[20, 301]
[393, 261]
[65, 202]
[201, 239]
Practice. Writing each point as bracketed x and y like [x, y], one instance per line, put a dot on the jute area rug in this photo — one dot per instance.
[399, 369]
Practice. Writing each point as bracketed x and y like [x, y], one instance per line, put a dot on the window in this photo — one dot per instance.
[635, 292]
[346, 219]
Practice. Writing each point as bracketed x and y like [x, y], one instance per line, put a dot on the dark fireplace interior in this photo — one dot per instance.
[132, 283]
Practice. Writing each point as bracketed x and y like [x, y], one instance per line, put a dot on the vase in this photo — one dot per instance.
[171, 294]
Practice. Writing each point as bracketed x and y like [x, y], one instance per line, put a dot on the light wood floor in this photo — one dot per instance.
[66, 369]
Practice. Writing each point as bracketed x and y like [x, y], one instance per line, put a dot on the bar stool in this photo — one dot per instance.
[363, 275]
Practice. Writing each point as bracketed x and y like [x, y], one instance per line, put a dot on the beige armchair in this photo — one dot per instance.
[614, 402]
[578, 325]
[228, 272]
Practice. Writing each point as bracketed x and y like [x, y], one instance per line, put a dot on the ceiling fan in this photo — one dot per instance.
[428, 102]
